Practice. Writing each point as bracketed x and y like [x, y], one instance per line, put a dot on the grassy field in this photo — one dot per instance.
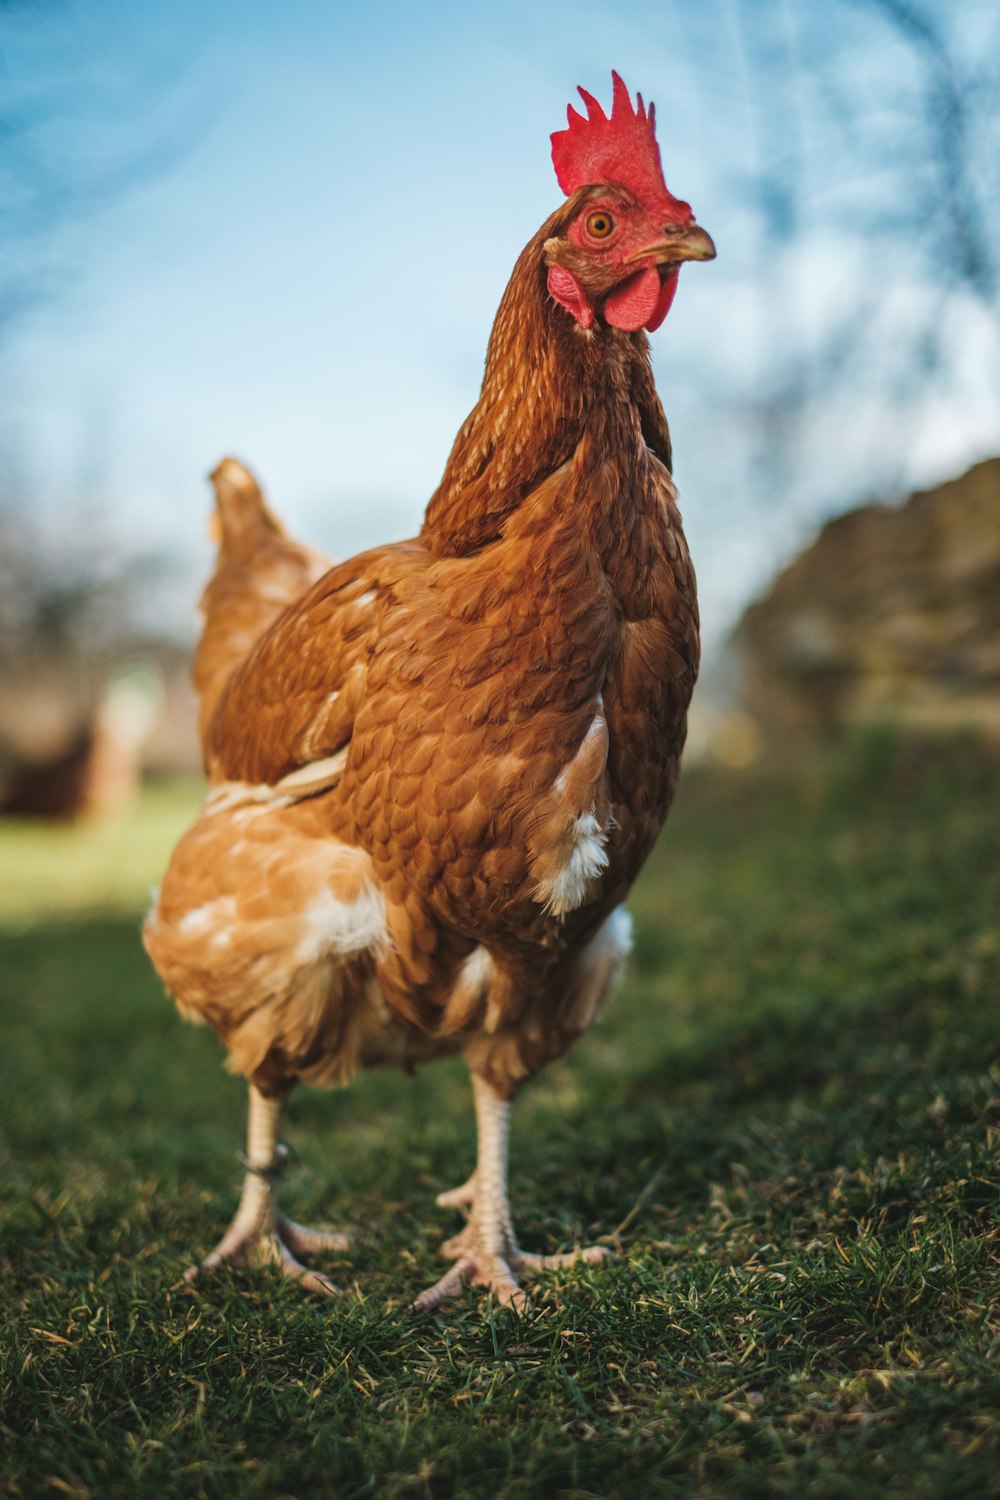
[786, 1124]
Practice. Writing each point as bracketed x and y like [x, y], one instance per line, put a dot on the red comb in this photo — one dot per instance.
[621, 148]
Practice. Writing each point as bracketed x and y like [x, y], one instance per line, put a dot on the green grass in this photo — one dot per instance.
[91, 867]
[787, 1123]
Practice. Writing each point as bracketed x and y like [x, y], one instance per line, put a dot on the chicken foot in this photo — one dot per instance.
[486, 1252]
[259, 1232]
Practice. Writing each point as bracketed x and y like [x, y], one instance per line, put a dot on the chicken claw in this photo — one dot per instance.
[497, 1271]
[273, 1240]
[259, 1233]
[485, 1252]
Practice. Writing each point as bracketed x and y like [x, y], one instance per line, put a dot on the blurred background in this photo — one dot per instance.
[284, 235]
[282, 231]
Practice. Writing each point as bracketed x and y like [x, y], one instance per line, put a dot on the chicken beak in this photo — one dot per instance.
[679, 242]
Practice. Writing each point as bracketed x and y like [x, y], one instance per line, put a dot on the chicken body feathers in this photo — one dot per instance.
[500, 713]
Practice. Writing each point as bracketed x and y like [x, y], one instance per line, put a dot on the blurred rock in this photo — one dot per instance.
[892, 615]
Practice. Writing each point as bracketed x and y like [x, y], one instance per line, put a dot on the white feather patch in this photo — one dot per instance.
[618, 929]
[477, 971]
[211, 915]
[333, 926]
[569, 887]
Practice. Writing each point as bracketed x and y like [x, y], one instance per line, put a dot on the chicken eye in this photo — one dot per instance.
[600, 225]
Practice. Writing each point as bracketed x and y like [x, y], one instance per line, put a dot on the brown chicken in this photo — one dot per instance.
[437, 769]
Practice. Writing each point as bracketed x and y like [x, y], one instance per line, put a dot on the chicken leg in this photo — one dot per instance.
[486, 1252]
[259, 1232]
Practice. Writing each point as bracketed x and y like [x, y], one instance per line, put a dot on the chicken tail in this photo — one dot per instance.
[242, 517]
[259, 571]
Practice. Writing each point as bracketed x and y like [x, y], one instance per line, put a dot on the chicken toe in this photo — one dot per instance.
[475, 1267]
[259, 1233]
[480, 1261]
[485, 1252]
[458, 1197]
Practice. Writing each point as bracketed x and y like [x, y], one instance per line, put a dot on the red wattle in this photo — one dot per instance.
[568, 292]
[666, 297]
[631, 305]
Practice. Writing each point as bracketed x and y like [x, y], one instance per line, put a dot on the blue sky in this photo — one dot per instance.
[309, 279]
